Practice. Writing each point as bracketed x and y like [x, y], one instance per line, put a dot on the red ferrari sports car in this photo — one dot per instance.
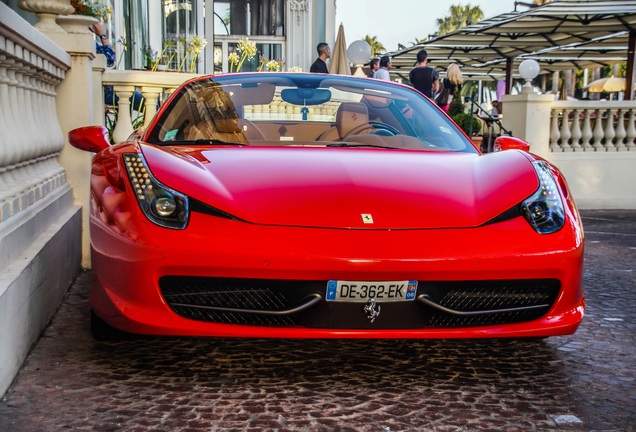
[295, 205]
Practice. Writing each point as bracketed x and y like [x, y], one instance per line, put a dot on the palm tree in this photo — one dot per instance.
[376, 46]
[460, 16]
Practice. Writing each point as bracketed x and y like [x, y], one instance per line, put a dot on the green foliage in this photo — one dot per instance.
[376, 47]
[467, 122]
[457, 104]
[621, 70]
[137, 114]
[459, 16]
[470, 124]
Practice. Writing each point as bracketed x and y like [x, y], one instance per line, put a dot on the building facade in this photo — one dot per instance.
[286, 31]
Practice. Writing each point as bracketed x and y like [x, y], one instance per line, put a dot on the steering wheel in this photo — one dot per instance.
[384, 129]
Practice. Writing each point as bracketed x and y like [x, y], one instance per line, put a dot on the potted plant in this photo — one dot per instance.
[91, 8]
[166, 55]
[85, 14]
[471, 125]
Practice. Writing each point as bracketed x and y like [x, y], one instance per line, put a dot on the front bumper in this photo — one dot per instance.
[537, 279]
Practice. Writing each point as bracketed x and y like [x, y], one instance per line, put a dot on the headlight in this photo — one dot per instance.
[544, 209]
[162, 205]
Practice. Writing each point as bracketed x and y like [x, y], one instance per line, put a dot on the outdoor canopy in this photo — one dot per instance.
[492, 44]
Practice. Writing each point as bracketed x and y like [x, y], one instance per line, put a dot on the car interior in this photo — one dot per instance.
[264, 114]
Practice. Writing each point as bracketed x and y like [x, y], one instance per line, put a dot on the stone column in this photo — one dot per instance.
[300, 47]
[527, 116]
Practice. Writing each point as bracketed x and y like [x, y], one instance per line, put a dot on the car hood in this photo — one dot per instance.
[347, 188]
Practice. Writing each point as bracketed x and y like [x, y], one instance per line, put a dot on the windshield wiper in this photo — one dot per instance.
[344, 144]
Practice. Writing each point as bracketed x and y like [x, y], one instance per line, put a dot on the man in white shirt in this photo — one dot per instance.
[383, 72]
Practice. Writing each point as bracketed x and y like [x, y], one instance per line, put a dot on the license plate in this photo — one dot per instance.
[358, 291]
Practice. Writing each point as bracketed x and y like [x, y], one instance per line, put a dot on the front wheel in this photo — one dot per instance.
[102, 331]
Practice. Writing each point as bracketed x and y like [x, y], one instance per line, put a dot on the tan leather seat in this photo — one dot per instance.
[251, 131]
[352, 118]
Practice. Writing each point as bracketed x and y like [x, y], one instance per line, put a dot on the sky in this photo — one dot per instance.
[402, 21]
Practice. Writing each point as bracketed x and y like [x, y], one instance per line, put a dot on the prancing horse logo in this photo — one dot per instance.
[372, 310]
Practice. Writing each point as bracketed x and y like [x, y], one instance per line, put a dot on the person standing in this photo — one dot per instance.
[383, 72]
[496, 111]
[423, 77]
[452, 82]
[320, 65]
[374, 65]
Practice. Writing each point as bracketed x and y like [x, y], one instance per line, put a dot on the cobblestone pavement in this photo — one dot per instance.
[582, 382]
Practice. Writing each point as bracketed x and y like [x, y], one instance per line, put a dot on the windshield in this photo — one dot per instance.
[264, 109]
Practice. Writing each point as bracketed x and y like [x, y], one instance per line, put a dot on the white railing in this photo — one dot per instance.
[278, 110]
[591, 126]
[155, 88]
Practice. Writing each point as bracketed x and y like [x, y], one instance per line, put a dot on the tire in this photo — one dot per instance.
[102, 331]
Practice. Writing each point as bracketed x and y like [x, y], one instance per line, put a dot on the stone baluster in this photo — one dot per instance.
[123, 128]
[610, 131]
[576, 130]
[258, 109]
[15, 108]
[54, 134]
[598, 131]
[32, 135]
[631, 131]
[151, 94]
[8, 143]
[621, 133]
[23, 173]
[555, 134]
[37, 103]
[565, 131]
[8, 131]
[586, 133]
[24, 95]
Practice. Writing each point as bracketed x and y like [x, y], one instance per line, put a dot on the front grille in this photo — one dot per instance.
[194, 298]
[531, 298]
[447, 304]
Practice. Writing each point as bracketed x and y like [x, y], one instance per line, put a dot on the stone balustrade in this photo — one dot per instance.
[592, 126]
[279, 110]
[156, 87]
[30, 134]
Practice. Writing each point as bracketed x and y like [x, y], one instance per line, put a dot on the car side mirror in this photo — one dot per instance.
[510, 143]
[89, 138]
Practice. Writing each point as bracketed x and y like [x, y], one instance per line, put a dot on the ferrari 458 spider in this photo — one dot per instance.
[322, 206]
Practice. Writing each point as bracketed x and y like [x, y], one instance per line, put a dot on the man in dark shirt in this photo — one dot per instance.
[374, 65]
[320, 65]
[424, 78]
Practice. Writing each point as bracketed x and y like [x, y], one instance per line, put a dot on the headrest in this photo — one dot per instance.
[351, 115]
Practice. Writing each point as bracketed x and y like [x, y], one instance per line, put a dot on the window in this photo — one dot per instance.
[249, 17]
